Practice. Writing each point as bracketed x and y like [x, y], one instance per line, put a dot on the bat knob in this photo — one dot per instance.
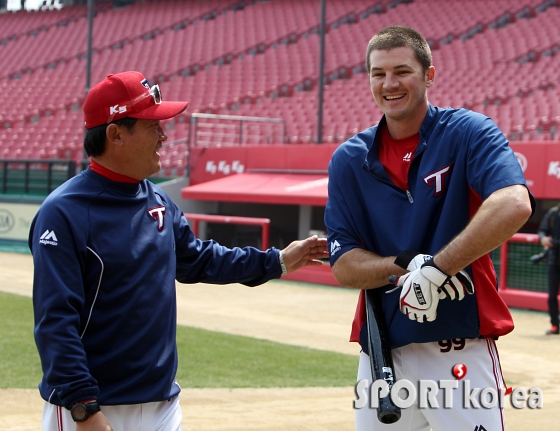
[393, 279]
[389, 417]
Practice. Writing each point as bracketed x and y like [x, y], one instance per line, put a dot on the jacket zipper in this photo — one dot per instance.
[390, 184]
[410, 199]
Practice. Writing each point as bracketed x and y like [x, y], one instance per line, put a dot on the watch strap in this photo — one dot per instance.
[82, 410]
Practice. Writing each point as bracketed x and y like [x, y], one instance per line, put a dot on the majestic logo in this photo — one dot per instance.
[407, 157]
[437, 179]
[157, 214]
[479, 428]
[419, 294]
[48, 238]
[7, 221]
[335, 247]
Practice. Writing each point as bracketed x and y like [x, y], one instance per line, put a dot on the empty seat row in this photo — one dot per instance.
[46, 107]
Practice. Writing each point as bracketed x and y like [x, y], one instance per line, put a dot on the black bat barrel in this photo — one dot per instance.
[381, 359]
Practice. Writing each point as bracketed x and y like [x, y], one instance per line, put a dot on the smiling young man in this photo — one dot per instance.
[108, 246]
[426, 195]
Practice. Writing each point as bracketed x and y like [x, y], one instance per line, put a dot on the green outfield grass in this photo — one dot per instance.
[215, 360]
[206, 359]
[19, 360]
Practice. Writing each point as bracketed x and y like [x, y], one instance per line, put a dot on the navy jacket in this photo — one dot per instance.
[461, 159]
[106, 257]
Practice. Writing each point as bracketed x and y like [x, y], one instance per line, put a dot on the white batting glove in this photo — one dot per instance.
[411, 260]
[418, 261]
[420, 292]
[457, 286]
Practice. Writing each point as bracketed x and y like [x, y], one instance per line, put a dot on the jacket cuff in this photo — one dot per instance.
[75, 397]
[405, 257]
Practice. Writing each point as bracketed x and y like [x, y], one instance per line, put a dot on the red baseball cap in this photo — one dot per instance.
[127, 94]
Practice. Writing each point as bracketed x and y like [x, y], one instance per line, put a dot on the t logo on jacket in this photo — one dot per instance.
[157, 214]
[437, 179]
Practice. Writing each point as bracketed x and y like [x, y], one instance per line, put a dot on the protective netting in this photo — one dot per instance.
[522, 273]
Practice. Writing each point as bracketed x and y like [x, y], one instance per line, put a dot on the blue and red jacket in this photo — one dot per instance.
[461, 159]
[106, 255]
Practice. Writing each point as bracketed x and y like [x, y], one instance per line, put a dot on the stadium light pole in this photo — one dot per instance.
[89, 43]
[88, 61]
[321, 72]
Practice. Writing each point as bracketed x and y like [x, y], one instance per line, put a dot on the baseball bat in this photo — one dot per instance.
[380, 357]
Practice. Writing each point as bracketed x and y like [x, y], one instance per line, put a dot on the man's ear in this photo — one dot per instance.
[113, 134]
[430, 76]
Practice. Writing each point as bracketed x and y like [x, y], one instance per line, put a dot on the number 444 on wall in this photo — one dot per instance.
[224, 167]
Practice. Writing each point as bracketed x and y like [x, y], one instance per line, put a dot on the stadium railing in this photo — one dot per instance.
[264, 223]
[220, 130]
[34, 177]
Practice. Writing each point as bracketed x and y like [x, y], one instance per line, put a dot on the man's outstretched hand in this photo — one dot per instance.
[305, 252]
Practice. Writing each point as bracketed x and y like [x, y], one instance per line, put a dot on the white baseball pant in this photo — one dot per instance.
[435, 361]
[158, 416]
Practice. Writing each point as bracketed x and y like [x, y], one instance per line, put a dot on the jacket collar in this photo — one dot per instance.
[426, 129]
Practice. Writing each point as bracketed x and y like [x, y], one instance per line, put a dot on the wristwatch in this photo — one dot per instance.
[83, 410]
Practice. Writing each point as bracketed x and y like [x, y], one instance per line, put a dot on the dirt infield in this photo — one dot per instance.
[302, 315]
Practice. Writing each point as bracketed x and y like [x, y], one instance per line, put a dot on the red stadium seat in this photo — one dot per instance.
[262, 60]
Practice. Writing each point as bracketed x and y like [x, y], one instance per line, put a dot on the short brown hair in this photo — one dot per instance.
[396, 36]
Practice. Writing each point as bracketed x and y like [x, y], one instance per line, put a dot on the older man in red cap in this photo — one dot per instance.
[108, 246]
